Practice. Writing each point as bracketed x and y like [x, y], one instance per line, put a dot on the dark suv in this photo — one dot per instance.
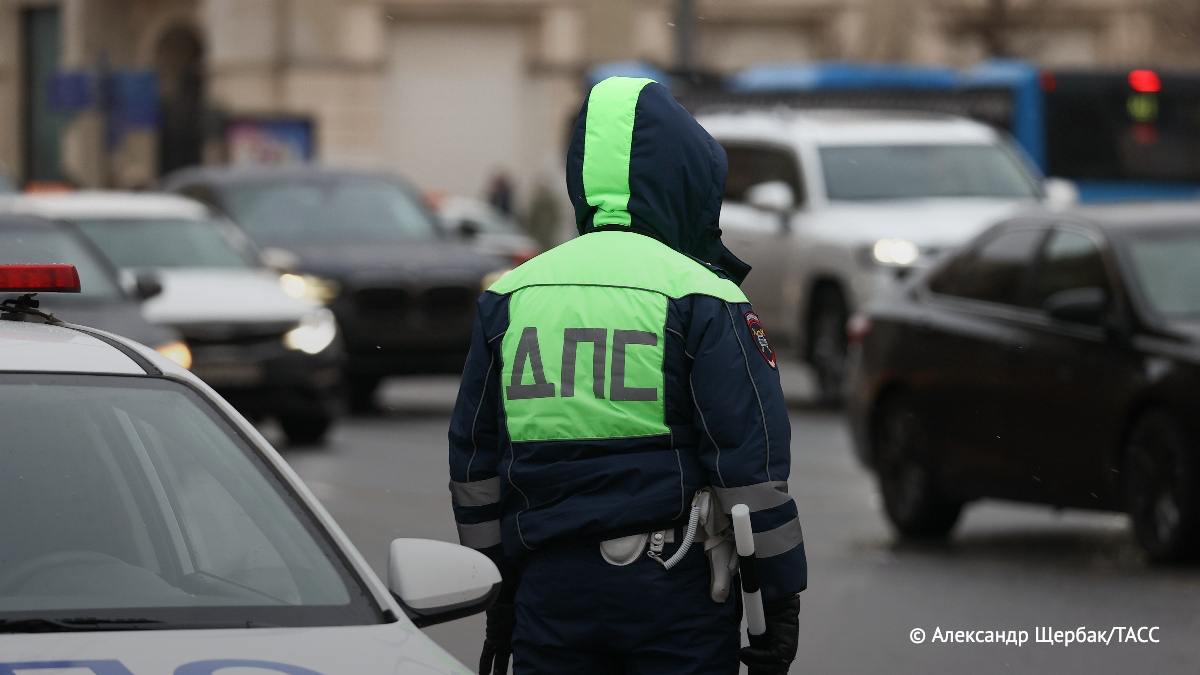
[403, 290]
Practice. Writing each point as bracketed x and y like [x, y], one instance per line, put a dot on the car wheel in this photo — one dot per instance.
[912, 500]
[1160, 489]
[827, 340]
[361, 391]
[306, 430]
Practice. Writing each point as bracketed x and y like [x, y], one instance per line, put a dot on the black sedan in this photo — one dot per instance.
[402, 289]
[105, 302]
[1054, 360]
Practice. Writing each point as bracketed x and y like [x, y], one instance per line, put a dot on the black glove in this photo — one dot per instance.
[497, 641]
[773, 652]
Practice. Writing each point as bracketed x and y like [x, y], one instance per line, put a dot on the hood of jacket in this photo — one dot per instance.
[638, 160]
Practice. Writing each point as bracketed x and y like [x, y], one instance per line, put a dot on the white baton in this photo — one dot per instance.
[743, 537]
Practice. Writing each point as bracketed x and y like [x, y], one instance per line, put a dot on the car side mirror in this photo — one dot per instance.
[1088, 305]
[279, 260]
[436, 581]
[146, 285]
[775, 196]
[468, 229]
[1059, 193]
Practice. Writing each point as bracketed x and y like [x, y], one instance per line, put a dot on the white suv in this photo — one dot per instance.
[833, 206]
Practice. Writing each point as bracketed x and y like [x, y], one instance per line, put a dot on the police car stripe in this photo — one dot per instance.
[779, 540]
[758, 497]
[476, 493]
[479, 535]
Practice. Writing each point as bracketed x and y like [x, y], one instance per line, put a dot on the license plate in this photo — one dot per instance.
[229, 374]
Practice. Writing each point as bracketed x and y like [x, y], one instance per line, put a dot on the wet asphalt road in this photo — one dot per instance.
[1007, 568]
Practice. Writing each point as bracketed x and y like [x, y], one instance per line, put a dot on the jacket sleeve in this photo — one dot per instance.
[745, 435]
[476, 447]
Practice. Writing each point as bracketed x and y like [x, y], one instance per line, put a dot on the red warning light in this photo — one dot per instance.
[1145, 81]
[39, 279]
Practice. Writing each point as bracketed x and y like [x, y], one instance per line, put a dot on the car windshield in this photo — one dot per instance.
[879, 172]
[1166, 264]
[46, 245]
[343, 210]
[131, 497]
[168, 242]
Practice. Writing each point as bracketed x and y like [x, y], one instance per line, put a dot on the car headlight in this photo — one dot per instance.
[895, 252]
[309, 287]
[177, 351]
[491, 278]
[314, 334]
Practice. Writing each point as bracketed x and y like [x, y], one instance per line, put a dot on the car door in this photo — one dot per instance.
[970, 331]
[1071, 377]
[761, 237]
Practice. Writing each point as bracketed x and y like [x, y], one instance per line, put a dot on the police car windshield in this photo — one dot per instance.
[882, 172]
[168, 242]
[345, 210]
[132, 497]
[48, 245]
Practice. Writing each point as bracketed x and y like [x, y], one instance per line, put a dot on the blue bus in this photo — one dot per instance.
[1119, 135]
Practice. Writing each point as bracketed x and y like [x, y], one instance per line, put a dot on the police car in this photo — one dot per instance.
[147, 529]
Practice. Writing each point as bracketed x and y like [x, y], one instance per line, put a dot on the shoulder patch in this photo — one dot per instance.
[758, 335]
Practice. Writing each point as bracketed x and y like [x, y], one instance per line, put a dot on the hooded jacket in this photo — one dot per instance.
[613, 376]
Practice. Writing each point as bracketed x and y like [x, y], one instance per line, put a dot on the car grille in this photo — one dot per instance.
[437, 301]
[234, 333]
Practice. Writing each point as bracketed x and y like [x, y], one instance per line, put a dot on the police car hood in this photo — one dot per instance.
[226, 295]
[638, 160]
[391, 649]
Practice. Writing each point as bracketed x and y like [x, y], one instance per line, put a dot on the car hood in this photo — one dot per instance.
[224, 295]
[932, 223]
[416, 259]
[391, 649]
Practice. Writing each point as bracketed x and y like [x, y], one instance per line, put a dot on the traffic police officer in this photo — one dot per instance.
[609, 380]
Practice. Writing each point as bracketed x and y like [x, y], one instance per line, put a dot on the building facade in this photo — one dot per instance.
[453, 92]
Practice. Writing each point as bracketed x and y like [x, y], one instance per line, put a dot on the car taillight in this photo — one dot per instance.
[52, 278]
[857, 329]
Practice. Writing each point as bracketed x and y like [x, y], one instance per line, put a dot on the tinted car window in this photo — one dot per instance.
[751, 165]
[1166, 266]
[139, 496]
[995, 271]
[876, 172]
[365, 210]
[1069, 260]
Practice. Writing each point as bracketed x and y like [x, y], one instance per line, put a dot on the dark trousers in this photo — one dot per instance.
[578, 614]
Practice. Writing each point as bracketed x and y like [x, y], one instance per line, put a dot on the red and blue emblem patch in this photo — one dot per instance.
[758, 335]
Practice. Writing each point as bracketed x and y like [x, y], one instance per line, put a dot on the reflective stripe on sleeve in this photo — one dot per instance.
[476, 493]
[779, 540]
[479, 535]
[757, 497]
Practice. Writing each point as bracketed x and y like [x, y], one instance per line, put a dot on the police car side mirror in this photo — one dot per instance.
[436, 581]
[146, 285]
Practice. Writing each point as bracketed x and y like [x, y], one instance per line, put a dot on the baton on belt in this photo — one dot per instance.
[743, 537]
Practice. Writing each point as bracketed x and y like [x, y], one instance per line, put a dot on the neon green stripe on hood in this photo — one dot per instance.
[607, 146]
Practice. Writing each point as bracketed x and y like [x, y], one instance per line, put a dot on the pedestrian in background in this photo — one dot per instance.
[621, 393]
